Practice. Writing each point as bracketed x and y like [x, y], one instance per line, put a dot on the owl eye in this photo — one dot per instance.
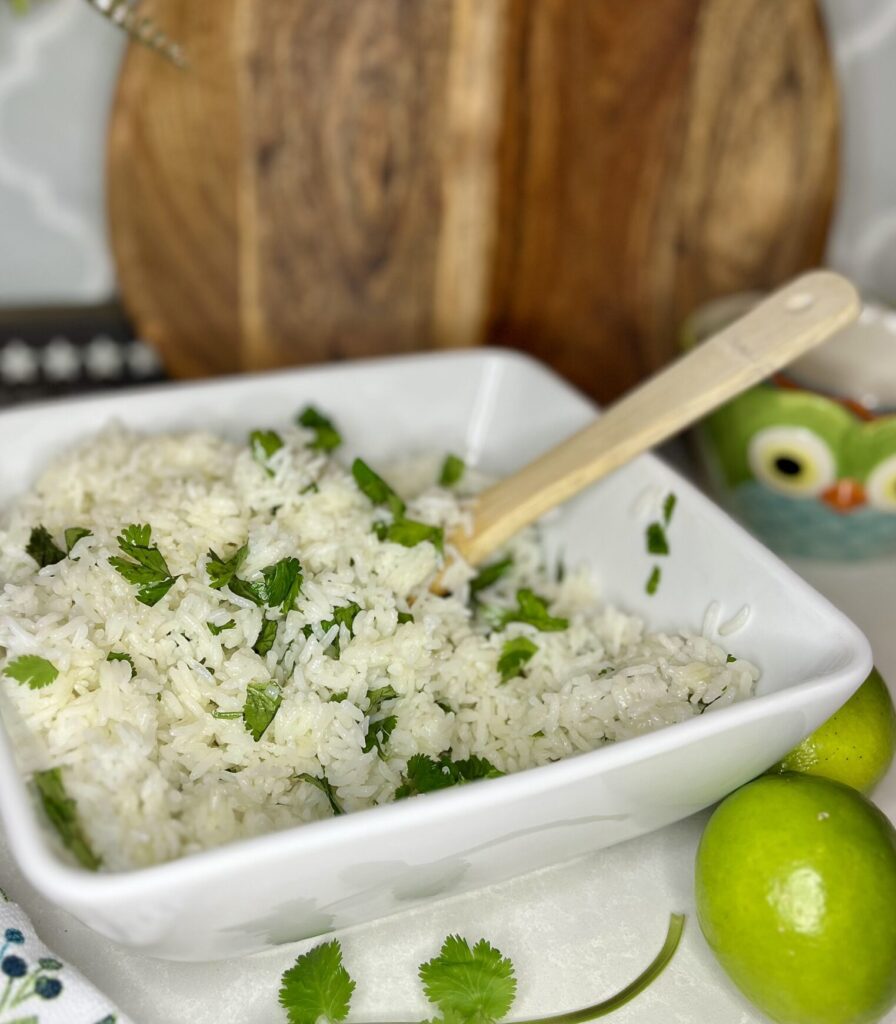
[881, 485]
[792, 460]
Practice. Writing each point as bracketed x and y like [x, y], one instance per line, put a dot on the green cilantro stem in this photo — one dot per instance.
[647, 977]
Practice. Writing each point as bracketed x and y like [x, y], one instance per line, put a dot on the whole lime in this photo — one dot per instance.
[856, 744]
[796, 896]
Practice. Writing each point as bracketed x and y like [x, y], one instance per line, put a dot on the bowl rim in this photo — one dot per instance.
[35, 849]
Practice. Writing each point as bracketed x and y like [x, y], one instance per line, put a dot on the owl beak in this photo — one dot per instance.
[844, 496]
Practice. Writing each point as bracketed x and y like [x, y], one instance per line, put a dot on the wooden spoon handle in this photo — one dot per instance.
[778, 330]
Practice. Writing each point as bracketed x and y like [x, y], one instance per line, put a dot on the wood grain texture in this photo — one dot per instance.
[569, 177]
[172, 187]
[345, 108]
[651, 163]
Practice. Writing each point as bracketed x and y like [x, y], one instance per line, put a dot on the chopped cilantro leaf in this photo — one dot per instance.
[324, 786]
[317, 985]
[32, 671]
[42, 548]
[266, 637]
[447, 708]
[537, 735]
[467, 984]
[254, 592]
[560, 571]
[311, 488]
[282, 583]
[409, 533]
[227, 715]
[63, 814]
[514, 655]
[146, 566]
[656, 540]
[264, 443]
[533, 610]
[262, 702]
[378, 695]
[424, 774]
[452, 470]
[490, 575]
[378, 734]
[121, 656]
[653, 581]
[338, 697]
[404, 617]
[730, 659]
[669, 507]
[343, 616]
[222, 570]
[327, 437]
[218, 630]
[376, 488]
[73, 534]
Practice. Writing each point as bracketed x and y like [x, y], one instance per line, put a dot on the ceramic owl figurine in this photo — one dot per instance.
[808, 461]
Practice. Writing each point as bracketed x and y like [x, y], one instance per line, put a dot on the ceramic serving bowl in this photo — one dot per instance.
[499, 410]
[807, 460]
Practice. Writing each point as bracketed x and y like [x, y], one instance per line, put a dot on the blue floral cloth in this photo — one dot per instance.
[35, 987]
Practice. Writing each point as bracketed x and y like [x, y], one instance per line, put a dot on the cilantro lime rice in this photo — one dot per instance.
[204, 640]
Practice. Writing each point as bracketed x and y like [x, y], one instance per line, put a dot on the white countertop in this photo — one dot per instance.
[575, 933]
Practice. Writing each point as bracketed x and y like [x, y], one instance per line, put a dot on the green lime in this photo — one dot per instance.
[856, 744]
[796, 896]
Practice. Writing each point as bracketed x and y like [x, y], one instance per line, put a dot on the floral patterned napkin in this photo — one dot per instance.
[35, 987]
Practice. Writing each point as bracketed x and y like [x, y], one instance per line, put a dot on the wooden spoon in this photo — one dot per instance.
[778, 330]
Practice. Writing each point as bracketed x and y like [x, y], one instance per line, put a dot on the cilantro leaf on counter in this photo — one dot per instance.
[282, 583]
[322, 783]
[452, 470]
[222, 570]
[327, 437]
[120, 656]
[409, 533]
[73, 534]
[32, 671]
[264, 443]
[218, 630]
[146, 567]
[262, 702]
[467, 984]
[490, 575]
[653, 580]
[317, 985]
[533, 610]
[42, 548]
[514, 655]
[63, 814]
[266, 637]
[657, 544]
[376, 489]
[424, 774]
[669, 507]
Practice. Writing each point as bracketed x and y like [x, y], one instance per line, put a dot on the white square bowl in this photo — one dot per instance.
[499, 410]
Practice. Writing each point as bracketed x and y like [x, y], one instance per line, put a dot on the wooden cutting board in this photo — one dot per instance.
[568, 177]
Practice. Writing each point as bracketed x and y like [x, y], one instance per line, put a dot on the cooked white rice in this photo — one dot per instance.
[154, 775]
